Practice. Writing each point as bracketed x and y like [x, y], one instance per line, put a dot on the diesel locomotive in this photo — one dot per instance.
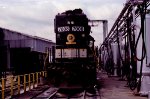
[74, 62]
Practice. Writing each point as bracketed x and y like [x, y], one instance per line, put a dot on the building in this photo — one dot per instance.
[22, 53]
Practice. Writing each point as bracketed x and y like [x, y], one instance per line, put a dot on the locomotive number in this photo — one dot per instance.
[64, 29]
[73, 28]
[77, 28]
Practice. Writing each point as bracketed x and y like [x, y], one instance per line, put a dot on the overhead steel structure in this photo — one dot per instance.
[94, 23]
[130, 11]
[125, 52]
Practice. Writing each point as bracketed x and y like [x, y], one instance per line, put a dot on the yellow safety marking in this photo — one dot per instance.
[37, 77]
[24, 83]
[29, 81]
[18, 84]
[11, 88]
[45, 74]
[3, 88]
[33, 80]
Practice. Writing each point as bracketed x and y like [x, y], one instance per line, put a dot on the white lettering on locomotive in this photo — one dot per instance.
[67, 29]
[77, 28]
[64, 29]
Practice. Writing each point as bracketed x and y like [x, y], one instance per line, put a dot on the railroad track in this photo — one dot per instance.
[57, 93]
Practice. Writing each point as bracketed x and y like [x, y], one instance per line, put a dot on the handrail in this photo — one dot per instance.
[14, 85]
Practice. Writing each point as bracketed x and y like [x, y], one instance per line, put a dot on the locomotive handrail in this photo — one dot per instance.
[13, 85]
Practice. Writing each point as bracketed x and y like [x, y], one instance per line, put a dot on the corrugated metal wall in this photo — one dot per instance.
[23, 53]
[18, 40]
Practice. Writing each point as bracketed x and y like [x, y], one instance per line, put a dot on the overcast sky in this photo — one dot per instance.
[36, 17]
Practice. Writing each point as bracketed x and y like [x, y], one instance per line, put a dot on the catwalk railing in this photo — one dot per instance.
[13, 85]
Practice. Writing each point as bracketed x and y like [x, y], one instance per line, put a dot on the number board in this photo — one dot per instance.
[73, 28]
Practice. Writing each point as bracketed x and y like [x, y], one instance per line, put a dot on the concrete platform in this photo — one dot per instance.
[112, 88]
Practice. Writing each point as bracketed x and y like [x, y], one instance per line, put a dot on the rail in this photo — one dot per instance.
[14, 85]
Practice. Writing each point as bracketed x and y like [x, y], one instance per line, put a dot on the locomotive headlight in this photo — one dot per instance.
[72, 22]
[91, 44]
[68, 22]
[83, 35]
